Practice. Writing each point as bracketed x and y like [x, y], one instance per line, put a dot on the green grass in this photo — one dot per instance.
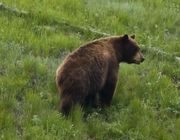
[147, 100]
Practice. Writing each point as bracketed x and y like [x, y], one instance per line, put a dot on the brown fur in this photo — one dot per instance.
[92, 70]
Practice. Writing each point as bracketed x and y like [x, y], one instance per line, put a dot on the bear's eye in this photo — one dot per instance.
[135, 49]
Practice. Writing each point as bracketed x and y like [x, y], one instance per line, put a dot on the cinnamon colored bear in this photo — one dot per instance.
[90, 72]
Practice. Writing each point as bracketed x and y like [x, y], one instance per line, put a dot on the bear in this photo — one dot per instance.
[88, 75]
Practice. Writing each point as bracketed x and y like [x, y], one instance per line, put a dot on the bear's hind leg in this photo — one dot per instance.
[66, 105]
[69, 101]
[106, 93]
[91, 101]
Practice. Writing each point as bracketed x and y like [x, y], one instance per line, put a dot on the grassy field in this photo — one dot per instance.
[33, 43]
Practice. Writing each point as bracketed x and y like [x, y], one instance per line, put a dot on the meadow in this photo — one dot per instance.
[35, 36]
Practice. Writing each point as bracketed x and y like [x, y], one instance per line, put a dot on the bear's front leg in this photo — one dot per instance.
[106, 93]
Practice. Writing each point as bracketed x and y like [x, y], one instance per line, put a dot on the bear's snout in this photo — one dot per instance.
[138, 58]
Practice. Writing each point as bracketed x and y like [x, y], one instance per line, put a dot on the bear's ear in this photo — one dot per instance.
[133, 36]
[125, 37]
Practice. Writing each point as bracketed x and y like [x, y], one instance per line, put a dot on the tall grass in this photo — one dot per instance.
[146, 104]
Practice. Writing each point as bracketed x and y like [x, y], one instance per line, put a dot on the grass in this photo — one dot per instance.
[147, 100]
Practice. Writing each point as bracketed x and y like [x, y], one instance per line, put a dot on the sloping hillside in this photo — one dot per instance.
[36, 35]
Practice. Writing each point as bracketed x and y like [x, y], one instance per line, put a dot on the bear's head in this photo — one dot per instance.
[130, 51]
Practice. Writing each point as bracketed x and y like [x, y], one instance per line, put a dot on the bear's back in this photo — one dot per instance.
[86, 65]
